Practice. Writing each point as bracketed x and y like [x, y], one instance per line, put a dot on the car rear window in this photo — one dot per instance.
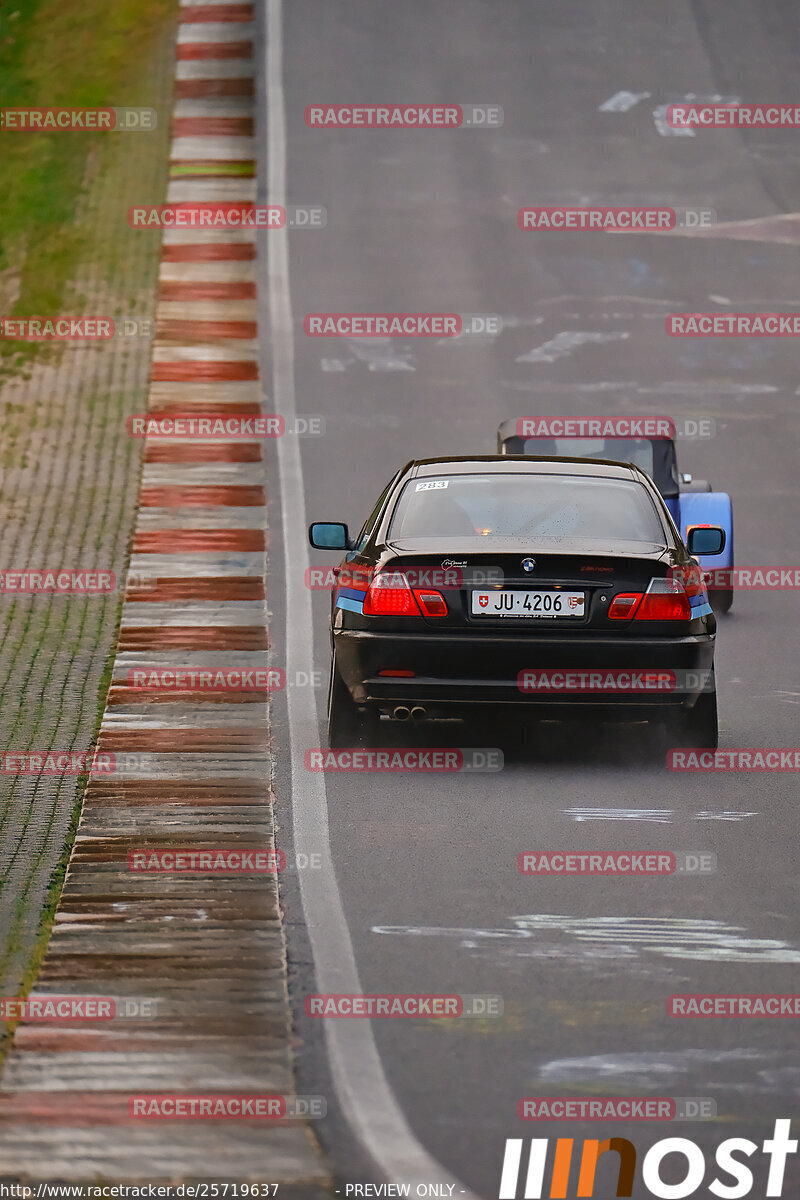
[638, 451]
[526, 506]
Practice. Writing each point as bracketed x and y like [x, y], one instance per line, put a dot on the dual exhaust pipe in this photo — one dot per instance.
[403, 713]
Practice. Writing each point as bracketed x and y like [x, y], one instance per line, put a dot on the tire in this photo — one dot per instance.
[695, 728]
[700, 723]
[721, 600]
[347, 725]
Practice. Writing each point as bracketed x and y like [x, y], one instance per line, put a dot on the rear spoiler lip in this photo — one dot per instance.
[478, 557]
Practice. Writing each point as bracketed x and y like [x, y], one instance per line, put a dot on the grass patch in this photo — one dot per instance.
[53, 54]
[63, 198]
[60, 871]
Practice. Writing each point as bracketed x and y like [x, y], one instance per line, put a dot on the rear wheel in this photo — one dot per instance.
[695, 728]
[347, 725]
[721, 600]
[702, 728]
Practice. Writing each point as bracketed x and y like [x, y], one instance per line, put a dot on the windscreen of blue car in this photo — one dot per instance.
[638, 451]
[525, 506]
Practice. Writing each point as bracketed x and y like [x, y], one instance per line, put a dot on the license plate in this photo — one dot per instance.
[506, 603]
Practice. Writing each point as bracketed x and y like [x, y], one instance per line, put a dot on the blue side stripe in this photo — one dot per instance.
[356, 606]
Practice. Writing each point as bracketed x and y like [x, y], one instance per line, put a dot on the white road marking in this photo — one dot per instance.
[381, 354]
[366, 1098]
[565, 342]
[644, 1068]
[660, 113]
[725, 815]
[622, 101]
[670, 937]
[466, 936]
[660, 118]
[661, 816]
[673, 387]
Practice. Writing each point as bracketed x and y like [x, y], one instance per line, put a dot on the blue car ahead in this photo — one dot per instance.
[691, 502]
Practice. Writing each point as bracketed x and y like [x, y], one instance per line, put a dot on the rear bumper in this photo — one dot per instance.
[454, 673]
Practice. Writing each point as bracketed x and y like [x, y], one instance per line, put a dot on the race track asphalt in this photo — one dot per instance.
[426, 866]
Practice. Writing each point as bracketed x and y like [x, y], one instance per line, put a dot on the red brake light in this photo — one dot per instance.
[665, 600]
[623, 606]
[390, 596]
[354, 577]
[692, 578]
[433, 604]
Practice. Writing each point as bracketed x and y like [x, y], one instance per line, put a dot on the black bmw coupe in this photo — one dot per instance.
[537, 587]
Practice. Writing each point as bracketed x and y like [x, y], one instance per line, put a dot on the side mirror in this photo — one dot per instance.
[705, 539]
[329, 535]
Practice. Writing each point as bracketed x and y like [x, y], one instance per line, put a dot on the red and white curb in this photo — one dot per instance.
[192, 765]
[201, 533]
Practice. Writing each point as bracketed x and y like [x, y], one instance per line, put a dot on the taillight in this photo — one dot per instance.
[354, 577]
[692, 577]
[623, 606]
[665, 600]
[432, 603]
[389, 595]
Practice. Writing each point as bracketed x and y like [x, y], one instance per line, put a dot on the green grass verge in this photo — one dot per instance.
[57, 54]
[60, 872]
